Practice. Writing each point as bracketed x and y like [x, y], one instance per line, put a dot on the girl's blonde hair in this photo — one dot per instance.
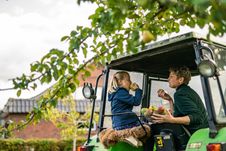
[120, 75]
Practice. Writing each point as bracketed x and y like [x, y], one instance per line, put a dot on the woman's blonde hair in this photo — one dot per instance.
[120, 75]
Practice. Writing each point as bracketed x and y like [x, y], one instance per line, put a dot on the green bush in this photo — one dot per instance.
[38, 144]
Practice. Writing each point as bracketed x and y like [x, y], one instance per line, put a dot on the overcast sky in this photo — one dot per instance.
[28, 30]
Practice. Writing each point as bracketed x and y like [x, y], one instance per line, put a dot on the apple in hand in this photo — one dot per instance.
[148, 113]
[161, 110]
[133, 86]
[144, 110]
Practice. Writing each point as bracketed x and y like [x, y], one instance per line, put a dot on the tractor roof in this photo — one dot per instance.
[156, 58]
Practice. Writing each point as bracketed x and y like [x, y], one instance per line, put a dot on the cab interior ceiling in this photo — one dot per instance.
[156, 62]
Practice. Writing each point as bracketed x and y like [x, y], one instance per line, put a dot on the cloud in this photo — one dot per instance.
[29, 29]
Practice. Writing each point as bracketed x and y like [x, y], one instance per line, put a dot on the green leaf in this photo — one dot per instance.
[77, 82]
[75, 44]
[34, 86]
[191, 22]
[84, 50]
[176, 27]
[43, 79]
[18, 93]
[73, 33]
[55, 72]
[65, 38]
[75, 61]
[33, 67]
[109, 57]
[57, 52]
[182, 22]
[87, 73]
[72, 87]
[48, 78]
[91, 67]
[201, 23]
[69, 59]
[53, 102]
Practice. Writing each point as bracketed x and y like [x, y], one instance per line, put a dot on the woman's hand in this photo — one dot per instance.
[163, 94]
[159, 118]
[134, 86]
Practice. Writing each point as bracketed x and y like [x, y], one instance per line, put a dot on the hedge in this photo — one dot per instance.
[38, 144]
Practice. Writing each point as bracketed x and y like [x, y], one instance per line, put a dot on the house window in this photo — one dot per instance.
[2, 122]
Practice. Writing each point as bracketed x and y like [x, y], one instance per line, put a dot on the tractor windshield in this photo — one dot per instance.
[220, 58]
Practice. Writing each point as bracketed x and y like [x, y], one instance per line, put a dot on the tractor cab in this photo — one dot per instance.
[149, 68]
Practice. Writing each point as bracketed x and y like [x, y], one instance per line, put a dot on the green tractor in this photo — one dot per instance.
[149, 68]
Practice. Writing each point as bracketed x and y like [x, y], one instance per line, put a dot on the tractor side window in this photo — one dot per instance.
[220, 58]
[195, 84]
[218, 107]
[154, 99]
[134, 77]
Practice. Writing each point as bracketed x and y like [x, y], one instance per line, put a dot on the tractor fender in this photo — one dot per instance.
[200, 139]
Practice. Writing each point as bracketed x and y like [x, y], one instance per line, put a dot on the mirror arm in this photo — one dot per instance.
[93, 107]
[208, 49]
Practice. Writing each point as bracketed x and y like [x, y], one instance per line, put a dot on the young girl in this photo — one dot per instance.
[122, 101]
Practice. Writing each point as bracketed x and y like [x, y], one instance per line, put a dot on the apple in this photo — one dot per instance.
[148, 113]
[147, 36]
[153, 108]
[133, 86]
[143, 110]
[161, 110]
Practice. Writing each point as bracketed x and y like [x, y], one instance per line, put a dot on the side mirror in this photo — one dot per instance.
[207, 68]
[88, 91]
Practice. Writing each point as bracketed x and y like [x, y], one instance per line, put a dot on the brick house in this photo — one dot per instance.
[17, 109]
